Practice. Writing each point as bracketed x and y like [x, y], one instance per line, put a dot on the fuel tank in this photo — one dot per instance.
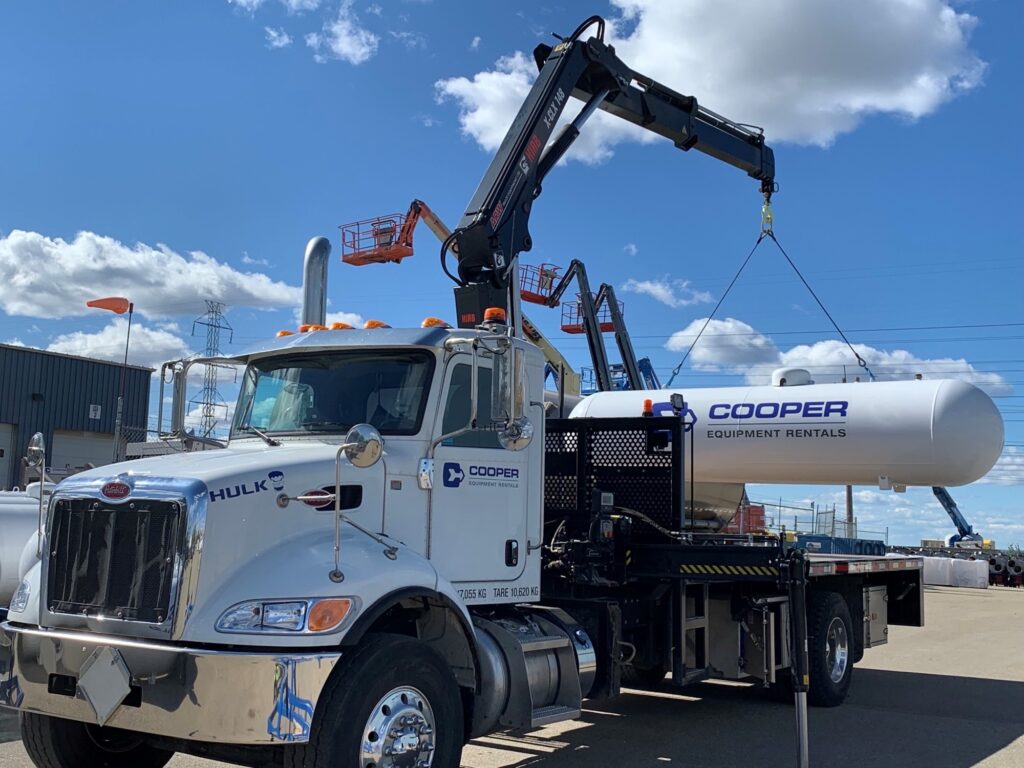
[941, 432]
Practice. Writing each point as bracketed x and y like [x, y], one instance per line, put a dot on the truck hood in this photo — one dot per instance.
[249, 462]
[248, 537]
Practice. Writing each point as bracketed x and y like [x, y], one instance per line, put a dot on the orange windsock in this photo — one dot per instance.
[117, 304]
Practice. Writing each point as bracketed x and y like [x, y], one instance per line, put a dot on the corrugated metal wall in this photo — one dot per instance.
[43, 391]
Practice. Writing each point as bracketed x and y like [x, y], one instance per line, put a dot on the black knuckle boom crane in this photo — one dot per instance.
[494, 230]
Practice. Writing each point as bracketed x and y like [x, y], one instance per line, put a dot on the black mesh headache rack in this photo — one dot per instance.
[641, 462]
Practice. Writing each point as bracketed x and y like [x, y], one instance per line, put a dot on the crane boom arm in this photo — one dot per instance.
[494, 228]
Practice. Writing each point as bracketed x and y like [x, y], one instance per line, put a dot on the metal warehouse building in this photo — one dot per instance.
[72, 401]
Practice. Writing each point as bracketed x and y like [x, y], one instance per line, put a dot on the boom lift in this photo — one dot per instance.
[965, 535]
[389, 238]
[585, 316]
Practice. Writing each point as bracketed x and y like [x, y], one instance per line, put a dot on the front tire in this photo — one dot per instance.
[52, 742]
[391, 702]
[830, 644]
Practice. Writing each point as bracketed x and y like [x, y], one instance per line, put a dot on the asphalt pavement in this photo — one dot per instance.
[949, 695]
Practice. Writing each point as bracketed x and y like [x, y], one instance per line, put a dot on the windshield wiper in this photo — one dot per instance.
[260, 433]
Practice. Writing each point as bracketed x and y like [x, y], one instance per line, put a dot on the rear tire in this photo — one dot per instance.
[830, 644]
[52, 742]
[391, 693]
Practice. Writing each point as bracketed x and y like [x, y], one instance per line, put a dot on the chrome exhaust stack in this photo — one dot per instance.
[314, 281]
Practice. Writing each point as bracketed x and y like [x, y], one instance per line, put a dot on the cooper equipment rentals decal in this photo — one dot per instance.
[480, 475]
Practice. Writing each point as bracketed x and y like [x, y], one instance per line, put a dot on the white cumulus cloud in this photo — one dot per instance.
[411, 40]
[50, 277]
[300, 6]
[277, 38]
[352, 318]
[148, 346]
[344, 38]
[474, 44]
[250, 6]
[728, 343]
[805, 71]
[734, 346]
[671, 293]
[826, 360]
[490, 99]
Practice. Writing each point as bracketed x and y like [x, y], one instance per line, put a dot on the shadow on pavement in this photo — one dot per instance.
[913, 720]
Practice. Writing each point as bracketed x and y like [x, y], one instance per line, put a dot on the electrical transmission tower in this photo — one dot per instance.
[210, 399]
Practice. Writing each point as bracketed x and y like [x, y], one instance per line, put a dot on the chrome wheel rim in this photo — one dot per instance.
[399, 732]
[837, 649]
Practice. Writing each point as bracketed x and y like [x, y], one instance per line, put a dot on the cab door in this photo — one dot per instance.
[479, 499]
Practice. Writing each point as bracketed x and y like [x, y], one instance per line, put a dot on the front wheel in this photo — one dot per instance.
[391, 703]
[52, 742]
[830, 648]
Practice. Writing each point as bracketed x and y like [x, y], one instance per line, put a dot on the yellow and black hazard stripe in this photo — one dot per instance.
[728, 570]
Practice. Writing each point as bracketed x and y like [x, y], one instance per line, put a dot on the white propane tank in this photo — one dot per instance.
[19, 518]
[887, 434]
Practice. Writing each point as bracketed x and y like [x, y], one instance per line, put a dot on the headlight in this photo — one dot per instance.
[305, 616]
[20, 600]
[291, 616]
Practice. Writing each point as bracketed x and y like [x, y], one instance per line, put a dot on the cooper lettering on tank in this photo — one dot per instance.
[812, 409]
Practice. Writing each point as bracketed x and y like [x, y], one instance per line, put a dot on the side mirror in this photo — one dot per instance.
[36, 453]
[363, 446]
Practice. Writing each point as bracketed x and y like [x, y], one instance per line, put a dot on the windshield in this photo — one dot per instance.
[331, 392]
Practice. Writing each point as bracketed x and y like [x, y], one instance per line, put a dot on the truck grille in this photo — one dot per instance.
[113, 560]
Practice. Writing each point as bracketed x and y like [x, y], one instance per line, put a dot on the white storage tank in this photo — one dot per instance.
[19, 518]
[887, 434]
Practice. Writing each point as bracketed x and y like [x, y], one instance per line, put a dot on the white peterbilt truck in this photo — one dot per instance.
[399, 550]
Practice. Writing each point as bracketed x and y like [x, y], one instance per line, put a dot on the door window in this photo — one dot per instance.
[458, 405]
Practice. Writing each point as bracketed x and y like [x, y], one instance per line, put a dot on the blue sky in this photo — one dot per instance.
[137, 134]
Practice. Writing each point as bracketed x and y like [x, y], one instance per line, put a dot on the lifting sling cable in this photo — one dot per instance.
[766, 231]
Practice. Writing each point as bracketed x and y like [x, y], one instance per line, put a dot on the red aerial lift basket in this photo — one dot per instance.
[572, 317]
[375, 241]
[537, 282]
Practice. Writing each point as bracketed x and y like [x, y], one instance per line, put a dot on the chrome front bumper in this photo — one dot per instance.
[187, 693]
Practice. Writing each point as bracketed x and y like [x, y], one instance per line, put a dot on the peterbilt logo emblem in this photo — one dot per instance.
[116, 490]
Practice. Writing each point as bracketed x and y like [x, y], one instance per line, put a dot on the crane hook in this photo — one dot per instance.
[767, 217]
